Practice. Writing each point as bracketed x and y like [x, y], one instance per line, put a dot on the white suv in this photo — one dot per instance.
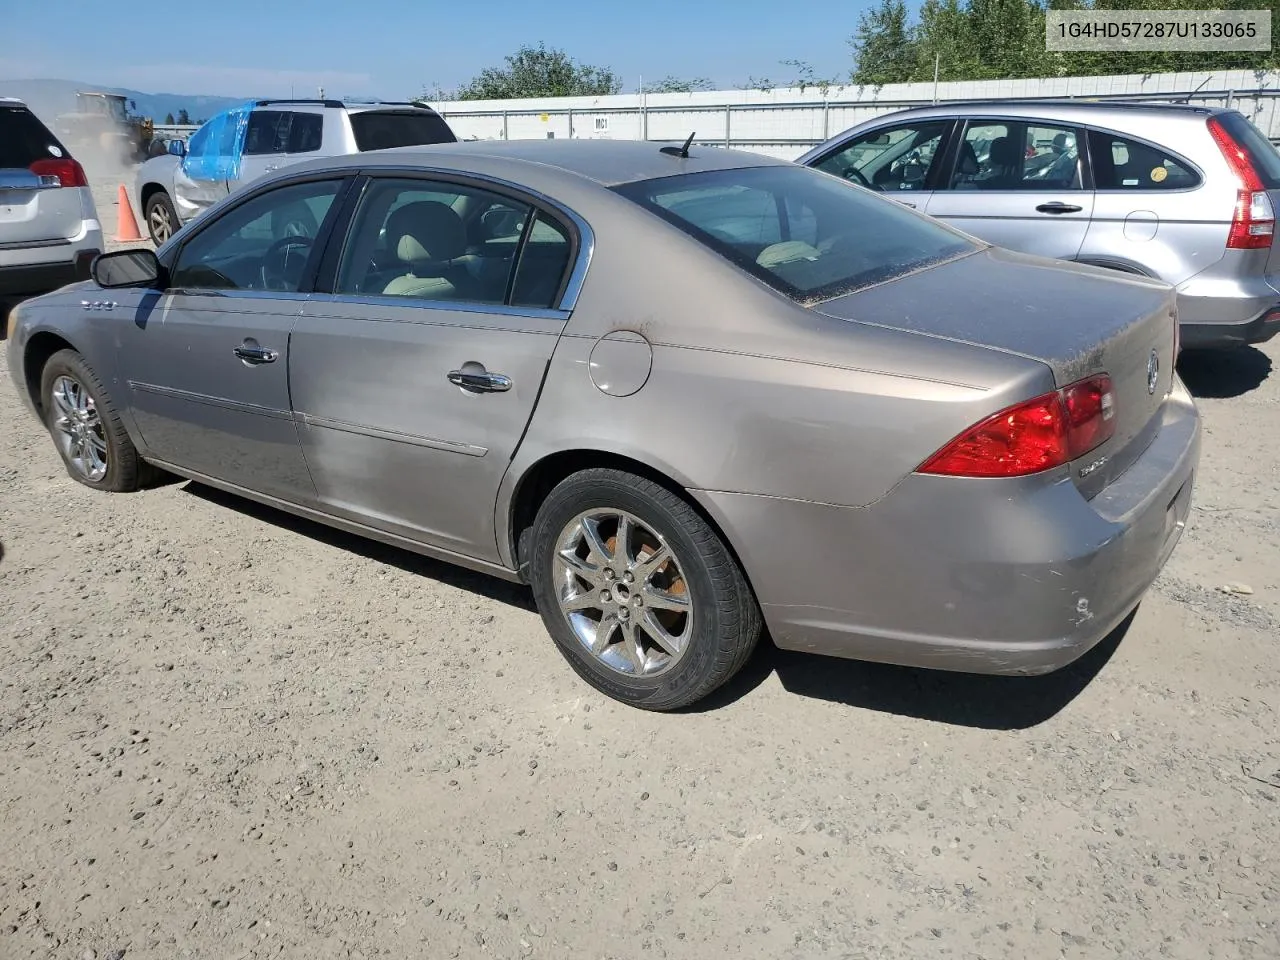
[49, 228]
[241, 144]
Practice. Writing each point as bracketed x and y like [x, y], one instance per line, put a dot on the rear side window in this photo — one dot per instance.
[1263, 156]
[382, 130]
[306, 131]
[807, 235]
[1123, 164]
[24, 139]
[268, 132]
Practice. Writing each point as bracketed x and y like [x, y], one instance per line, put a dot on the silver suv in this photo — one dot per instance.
[239, 145]
[49, 228]
[1182, 193]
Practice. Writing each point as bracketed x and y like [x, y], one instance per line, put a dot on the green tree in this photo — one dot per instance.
[884, 46]
[168, 119]
[670, 84]
[539, 72]
[184, 118]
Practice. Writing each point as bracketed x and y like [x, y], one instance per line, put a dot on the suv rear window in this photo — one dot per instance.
[805, 233]
[378, 130]
[24, 139]
[1263, 156]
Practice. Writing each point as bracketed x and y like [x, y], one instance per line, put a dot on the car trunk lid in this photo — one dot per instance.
[35, 208]
[1079, 321]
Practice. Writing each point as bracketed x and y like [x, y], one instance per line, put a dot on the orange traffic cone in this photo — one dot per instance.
[127, 226]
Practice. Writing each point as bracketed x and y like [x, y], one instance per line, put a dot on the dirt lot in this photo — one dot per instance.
[226, 733]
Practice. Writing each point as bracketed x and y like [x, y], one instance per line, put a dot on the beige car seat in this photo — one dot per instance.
[427, 236]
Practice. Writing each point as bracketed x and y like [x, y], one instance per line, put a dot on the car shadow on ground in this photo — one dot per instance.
[1223, 374]
[970, 700]
[479, 583]
[960, 699]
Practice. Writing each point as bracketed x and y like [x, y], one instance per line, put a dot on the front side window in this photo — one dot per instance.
[897, 158]
[262, 244]
[1123, 164]
[808, 236]
[1017, 155]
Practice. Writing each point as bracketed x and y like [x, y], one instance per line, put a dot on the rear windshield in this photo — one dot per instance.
[382, 131]
[24, 139]
[806, 234]
[1261, 153]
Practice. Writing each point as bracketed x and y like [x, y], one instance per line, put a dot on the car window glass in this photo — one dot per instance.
[895, 159]
[1015, 155]
[424, 240]
[262, 244]
[543, 263]
[1123, 164]
[305, 133]
[267, 133]
[376, 130]
[24, 139]
[847, 237]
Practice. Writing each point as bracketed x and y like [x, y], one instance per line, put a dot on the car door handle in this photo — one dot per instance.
[480, 382]
[1057, 207]
[255, 355]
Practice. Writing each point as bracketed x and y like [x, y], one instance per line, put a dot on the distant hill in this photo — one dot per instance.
[48, 98]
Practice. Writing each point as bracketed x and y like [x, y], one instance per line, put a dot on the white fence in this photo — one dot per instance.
[786, 122]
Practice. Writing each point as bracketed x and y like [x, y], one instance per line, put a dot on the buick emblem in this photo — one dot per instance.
[1153, 372]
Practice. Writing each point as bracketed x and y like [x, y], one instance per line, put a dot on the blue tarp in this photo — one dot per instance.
[214, 150]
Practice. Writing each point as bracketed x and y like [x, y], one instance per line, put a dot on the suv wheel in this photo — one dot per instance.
[162, 219]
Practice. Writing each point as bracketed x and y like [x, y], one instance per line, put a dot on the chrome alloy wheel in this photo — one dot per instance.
[161, 223]
[622, 591]
[78, 429]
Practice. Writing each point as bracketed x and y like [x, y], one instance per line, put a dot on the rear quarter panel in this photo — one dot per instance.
[747, 392]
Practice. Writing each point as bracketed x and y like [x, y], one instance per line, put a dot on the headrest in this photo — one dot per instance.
[1004, 152]
[426, 231]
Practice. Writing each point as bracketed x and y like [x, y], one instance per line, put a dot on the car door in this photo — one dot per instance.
[414, 379]
[898, 159]
[206, 360]
[1018, 184]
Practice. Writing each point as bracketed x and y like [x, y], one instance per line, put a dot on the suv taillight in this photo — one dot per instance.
[60, 172]
[1253, 222]
[1039, 434]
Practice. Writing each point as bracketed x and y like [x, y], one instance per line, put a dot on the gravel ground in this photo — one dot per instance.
[225, 732]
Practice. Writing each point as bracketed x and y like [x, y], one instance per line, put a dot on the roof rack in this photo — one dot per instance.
[326, 102]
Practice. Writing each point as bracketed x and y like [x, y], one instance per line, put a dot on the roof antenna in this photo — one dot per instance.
[681, 152]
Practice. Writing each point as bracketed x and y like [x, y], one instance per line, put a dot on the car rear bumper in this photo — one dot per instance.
[1258, 330]
[1227, 312]
[979, 576]
[31, 279]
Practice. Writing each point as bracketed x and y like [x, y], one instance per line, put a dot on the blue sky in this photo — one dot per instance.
[393, 49]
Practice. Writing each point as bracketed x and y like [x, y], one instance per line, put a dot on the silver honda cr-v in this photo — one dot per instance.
[1185, 194]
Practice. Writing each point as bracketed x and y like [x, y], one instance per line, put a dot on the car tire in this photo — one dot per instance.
[86, 428]
[658, 632]
[161, 217]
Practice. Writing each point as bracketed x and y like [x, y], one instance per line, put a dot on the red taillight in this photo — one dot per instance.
[1033, 436]
[1253, 221]
[64, 170]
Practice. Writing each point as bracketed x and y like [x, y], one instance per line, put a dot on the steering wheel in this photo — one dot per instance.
[856, 175]
[275, 262]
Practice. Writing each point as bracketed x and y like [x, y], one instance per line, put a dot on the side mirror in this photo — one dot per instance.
[177, 148]
[126, 268]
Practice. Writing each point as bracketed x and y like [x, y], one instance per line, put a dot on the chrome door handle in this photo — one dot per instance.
[255, 355]
[1057, 207]
[480, 382]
